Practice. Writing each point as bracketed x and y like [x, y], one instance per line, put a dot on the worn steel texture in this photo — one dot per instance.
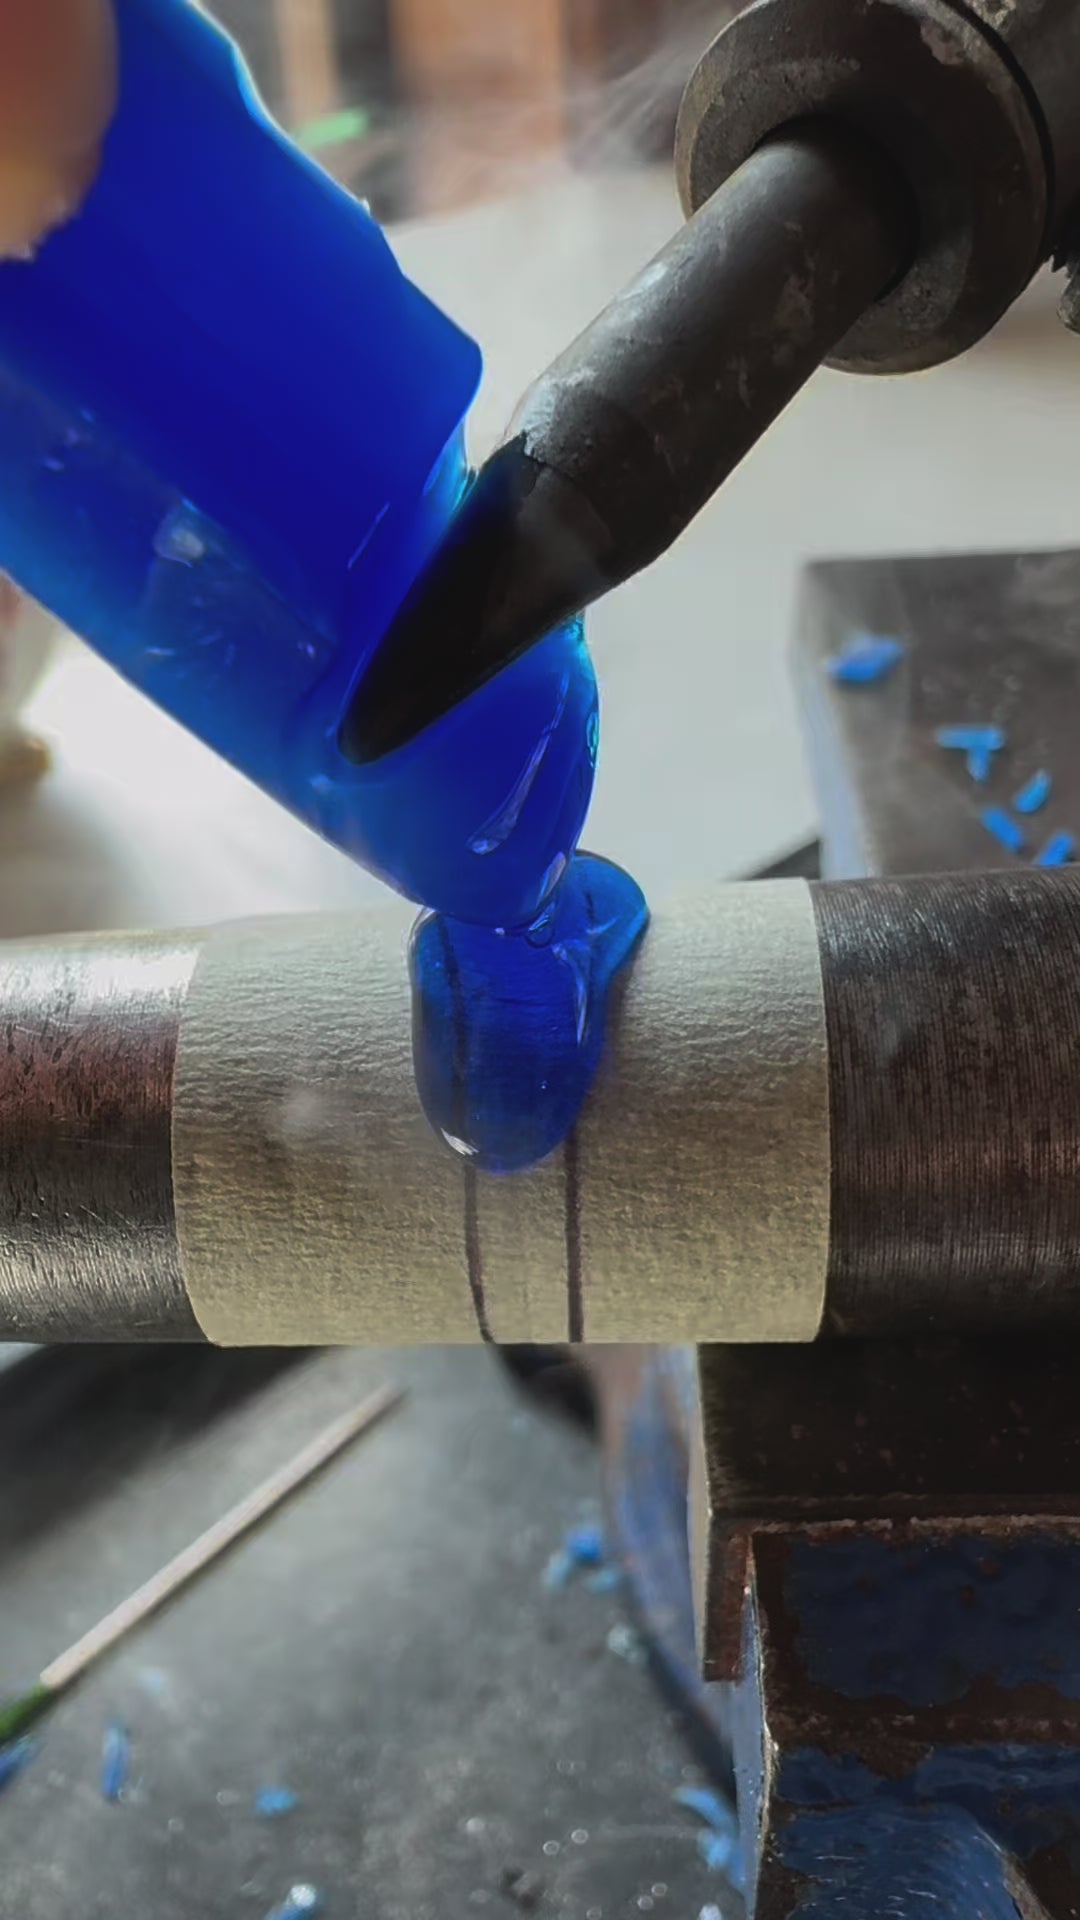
[945, 99]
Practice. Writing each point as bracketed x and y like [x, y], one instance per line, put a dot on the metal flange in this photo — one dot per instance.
[940, 95]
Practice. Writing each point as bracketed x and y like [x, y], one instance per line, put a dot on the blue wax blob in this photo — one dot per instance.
[508, 1028]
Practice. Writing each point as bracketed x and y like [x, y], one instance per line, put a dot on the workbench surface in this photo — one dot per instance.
[385, 1647]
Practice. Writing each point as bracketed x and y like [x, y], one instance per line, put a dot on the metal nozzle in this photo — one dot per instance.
[625, 438]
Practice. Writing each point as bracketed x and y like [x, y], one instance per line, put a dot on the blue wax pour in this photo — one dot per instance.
[231, 435]
[508, 1029]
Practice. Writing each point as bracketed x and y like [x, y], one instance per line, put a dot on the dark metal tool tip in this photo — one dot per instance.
[516, 561]
[624, 439]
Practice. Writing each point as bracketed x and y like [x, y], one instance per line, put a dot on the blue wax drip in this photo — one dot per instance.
[508, 1028]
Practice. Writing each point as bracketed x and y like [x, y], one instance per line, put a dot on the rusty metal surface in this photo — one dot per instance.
[88, 1033]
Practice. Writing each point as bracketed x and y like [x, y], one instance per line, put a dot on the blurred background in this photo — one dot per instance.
[424, 105]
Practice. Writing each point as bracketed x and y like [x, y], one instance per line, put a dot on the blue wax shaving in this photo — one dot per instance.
[583, 1546]
[716, 1849]
[1058, 851]
[14, 1758]
[115, 1761]
[971, 738]
[604, 1580]
[300, 1903]
[558, 1570]
[1004, 828]
[508, 1029]
[718, 1844]
[709, 1806]
[979, 763]
[866, 659]
[272, 1802]
[479, 815]
[234, 534]
[1034, 795]
[236, 540]
[626, 1643]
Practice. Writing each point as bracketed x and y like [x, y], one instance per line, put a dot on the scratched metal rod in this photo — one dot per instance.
[630, 432]
[193, 1125]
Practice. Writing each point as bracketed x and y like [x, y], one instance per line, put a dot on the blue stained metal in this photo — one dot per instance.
[867, 659]
[708, 1806]
[971, 737]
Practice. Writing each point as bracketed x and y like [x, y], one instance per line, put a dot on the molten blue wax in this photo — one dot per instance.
[508, 1028]
[231, 437]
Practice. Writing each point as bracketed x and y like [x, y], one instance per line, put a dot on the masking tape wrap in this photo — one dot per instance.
[315, 1205]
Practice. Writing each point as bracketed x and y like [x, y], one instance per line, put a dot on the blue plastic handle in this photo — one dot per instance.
[230, 435]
